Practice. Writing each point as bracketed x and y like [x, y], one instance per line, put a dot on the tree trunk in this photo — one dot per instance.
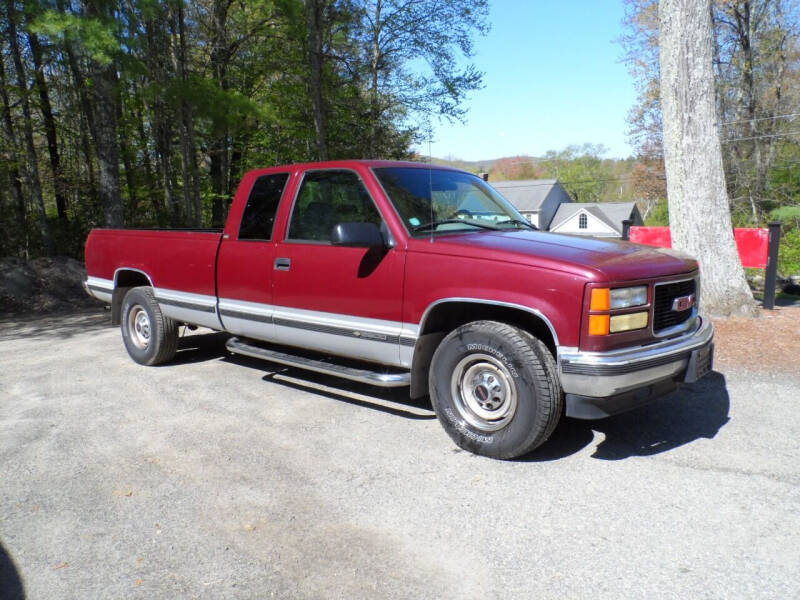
[315, 14]
[33, 161]
[163, 135]
[188, 123]
[16, 179]
[59, 184]
[191, 189]
[125, 151]
[106, 133]
[698, 203]
[374, 72]
[219, 143]
[107, 144]
[87, 117]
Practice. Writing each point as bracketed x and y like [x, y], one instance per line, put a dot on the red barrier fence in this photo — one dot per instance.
[758, 248]
[752, 242]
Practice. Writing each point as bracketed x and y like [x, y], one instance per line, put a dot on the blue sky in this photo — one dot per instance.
[552, 78]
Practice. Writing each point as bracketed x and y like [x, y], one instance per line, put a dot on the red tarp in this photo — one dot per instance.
[753, 243]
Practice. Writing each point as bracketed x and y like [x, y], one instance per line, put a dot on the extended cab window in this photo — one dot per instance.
[259, 213]
[327, 198]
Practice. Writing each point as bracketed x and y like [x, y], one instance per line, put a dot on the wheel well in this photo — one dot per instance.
[124, 280]
[447, 316]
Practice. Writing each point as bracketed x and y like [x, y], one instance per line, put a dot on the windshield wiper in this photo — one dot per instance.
[434, 224]
[519, 222]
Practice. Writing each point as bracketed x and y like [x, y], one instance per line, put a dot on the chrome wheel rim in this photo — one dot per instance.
[139, 329]
[483, 391]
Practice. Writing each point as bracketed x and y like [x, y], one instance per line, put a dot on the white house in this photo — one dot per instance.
[546, 204]
[602, 219]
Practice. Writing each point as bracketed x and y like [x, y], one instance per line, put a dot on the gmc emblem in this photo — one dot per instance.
[683, 303]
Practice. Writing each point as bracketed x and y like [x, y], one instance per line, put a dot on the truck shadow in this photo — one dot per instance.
[10, 581]
[195, 348]
[695, 411]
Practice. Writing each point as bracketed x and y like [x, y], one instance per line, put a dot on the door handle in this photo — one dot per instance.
[283, 264]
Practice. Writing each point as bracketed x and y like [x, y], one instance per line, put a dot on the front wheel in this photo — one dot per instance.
[150, 337]
[495, 389]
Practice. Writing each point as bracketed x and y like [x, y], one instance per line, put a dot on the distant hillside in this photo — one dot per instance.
[475, 166]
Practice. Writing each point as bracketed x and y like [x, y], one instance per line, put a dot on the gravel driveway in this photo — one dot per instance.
[225, 477]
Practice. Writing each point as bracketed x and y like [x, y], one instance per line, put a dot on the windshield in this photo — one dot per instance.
[438, 200]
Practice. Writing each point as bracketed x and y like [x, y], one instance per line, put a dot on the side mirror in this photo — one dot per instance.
[360, 235]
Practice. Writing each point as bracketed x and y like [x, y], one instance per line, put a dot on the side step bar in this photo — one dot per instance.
[379, 378]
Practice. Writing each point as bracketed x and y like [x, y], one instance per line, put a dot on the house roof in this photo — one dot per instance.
[610, 213]
[527, 195]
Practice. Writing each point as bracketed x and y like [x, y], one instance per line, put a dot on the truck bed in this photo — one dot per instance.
[179, 264]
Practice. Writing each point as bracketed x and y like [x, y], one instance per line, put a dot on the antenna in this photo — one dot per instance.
[430, 177]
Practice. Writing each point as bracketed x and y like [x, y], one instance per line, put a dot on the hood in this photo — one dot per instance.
[592, 258]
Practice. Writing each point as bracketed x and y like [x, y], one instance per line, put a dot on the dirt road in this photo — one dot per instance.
[224, 477]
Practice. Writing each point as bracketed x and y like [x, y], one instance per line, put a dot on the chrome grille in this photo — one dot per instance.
[665, 293]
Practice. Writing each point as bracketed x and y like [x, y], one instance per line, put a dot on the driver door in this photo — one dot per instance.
[343, 300]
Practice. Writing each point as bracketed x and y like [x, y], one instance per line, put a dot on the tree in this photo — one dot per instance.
[34, 182]
[582, 171]
[698, 202]
[430, 34]
[104, 80]
[13, 173]
[151, 110]
[756, 54]
[757, 70]
[59, 184]
[514, 167]
[316, 21]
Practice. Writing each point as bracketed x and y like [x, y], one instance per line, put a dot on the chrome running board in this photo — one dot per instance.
[378, 378]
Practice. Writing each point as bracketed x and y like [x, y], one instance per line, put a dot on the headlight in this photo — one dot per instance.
[631, 296]
[605, 300]
[629, 322]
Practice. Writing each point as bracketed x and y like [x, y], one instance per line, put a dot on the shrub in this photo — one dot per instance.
[789, 253]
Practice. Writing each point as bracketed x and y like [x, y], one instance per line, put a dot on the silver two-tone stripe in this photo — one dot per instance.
[100, 288]
[197, 309]
[379, 340]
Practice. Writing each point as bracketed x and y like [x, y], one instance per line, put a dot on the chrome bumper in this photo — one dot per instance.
[604, 374]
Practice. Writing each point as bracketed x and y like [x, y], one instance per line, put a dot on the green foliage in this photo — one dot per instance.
[789, 253]
[582, 171]
[95, 37]
[203, 91]
[659, 215]
[788, 215]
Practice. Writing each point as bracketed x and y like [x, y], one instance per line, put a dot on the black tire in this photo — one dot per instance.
[150, 337]
[495, 389]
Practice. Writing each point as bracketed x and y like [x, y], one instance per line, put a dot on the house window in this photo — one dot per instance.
[583, 221]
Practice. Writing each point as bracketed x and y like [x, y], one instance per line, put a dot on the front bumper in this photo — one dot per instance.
[599, 384]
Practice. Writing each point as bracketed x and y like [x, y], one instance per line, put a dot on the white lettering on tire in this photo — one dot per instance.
[462, 428]
[496, 353]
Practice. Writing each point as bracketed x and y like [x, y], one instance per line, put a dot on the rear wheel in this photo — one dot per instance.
[495, 389]
[150, 338]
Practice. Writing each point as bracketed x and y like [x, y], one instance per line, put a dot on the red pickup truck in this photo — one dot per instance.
[403, 274]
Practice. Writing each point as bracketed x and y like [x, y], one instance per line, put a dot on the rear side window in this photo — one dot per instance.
[259, 213]
[327, 198]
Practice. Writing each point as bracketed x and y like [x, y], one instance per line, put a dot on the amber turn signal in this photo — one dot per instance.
[601, 299]
[599, 324]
